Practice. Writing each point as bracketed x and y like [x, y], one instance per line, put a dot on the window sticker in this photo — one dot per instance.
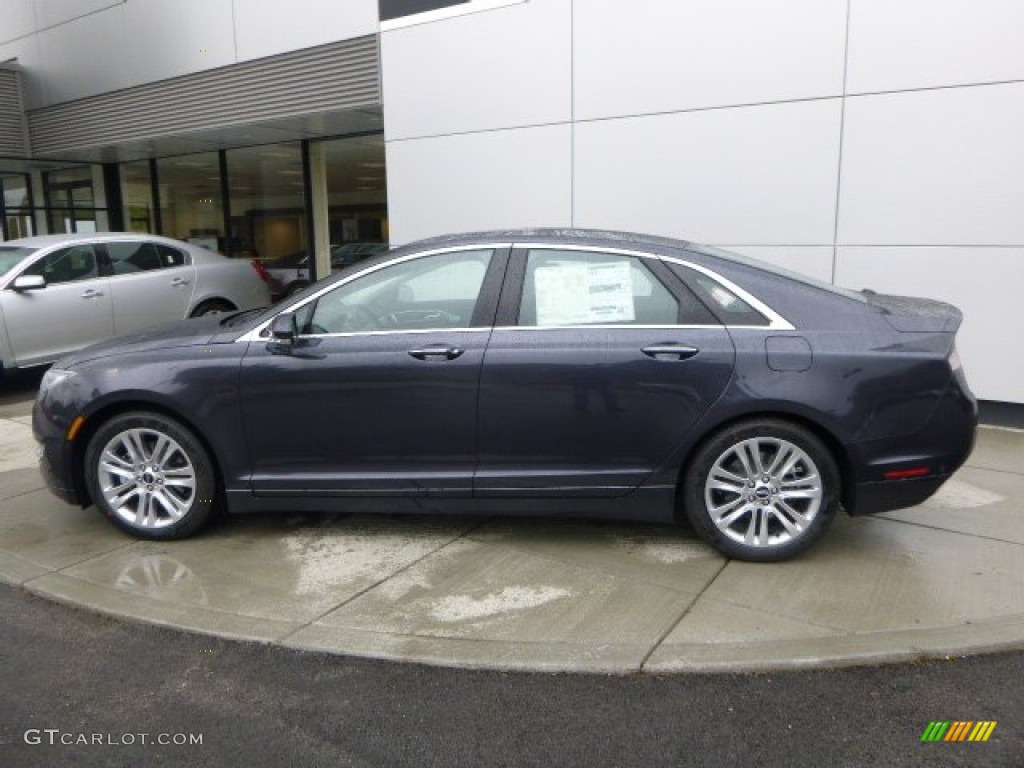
[577, 294]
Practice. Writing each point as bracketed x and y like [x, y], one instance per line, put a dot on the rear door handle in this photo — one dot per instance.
[436, 351]
[670, 351]
[91, 293]
[179, 282]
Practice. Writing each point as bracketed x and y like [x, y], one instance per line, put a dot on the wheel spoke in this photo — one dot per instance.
[789, 517]
[174, 506]
[163, 450]
[137, 436]
[114, 465]
[717, 513]
[792, 525]
[785, 457]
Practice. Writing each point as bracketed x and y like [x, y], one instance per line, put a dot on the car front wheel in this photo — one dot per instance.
[151, 476]
[762, 490]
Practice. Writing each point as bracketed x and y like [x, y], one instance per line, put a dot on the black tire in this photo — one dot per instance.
[167, 481]
[762, 516]
[213, 307]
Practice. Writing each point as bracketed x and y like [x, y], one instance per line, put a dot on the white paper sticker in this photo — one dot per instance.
[577, 294]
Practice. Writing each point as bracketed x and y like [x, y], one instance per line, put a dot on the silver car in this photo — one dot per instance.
[59, 293]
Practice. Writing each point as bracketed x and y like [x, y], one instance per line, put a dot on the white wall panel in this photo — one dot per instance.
[268, 27]
[752, 175]
[501, 68]
[814, 261]
[52, 12]
[939, 167]
[647, 56]
[84, 57]
[925, 43]
[516, 178]
[17, 19]
[985, 283]
[165, 39]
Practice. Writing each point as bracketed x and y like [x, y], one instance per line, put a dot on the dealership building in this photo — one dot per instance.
[869, 143]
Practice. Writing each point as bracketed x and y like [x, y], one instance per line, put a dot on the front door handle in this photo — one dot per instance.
[436, 351]
[91, 293]
[670, 351]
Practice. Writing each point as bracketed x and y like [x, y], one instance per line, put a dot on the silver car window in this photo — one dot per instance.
[11, 255]
[66, 265]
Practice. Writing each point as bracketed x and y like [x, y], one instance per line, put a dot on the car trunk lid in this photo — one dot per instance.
[909, 314]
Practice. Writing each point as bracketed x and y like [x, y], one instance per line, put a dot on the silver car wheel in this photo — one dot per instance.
[763, 492]
[146, 478]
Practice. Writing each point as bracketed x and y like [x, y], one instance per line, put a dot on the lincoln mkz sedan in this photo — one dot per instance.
[59, 293]
[532, 372]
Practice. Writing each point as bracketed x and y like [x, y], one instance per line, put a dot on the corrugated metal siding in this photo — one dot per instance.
[12, 116]
[332, 77]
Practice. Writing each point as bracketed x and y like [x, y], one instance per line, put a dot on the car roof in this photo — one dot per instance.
[569, 236]
[43, 241]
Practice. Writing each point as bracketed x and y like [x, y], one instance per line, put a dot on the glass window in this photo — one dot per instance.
[66, 265]
[17, 196]
[268, 211]
[357, 198]
[439, 291]
[589, 288]
[191, 207]
[137, 197]
[727, 306]
[70, 199]
[11, 255]
[127, 257]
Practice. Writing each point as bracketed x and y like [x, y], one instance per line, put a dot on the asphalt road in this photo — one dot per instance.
[68, 675]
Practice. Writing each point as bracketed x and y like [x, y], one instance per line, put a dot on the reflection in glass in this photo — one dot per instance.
[137, 197]
[268, 212]
[70, 200]
[357, 198]
[191, 207]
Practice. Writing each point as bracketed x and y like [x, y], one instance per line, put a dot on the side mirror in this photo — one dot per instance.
[283, 328]
[28, 283]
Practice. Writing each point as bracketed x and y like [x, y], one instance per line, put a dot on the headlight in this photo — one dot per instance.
[55, 377]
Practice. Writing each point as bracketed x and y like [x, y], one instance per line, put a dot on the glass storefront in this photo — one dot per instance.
[70, 202]
[191, 200]
[137, 197]
[357, 197]
[16, 206]
[268, 209]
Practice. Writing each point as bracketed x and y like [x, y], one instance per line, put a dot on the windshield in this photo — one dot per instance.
[10, 255]
[709, 250]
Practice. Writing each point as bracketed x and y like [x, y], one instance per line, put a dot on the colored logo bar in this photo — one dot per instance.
[958, 730]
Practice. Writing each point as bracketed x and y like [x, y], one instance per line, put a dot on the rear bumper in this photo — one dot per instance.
[941, 447]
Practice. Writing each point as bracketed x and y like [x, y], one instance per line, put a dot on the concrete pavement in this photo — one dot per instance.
[946, 578]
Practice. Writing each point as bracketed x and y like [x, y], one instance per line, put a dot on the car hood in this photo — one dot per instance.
[182, 333]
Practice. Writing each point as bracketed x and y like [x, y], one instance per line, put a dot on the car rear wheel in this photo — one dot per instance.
[762, 490]
[150, 476]
[213, 307]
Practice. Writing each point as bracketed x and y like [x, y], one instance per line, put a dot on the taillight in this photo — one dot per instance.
[261, 271]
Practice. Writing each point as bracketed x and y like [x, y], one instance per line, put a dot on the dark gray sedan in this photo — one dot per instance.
[526, 373]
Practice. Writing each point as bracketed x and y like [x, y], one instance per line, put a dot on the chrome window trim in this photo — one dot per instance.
[776, 322]
[254, 334]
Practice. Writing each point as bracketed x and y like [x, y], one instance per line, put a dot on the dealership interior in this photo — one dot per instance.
[246, 202]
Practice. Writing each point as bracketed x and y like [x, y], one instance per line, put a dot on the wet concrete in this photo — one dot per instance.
[946, 578]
